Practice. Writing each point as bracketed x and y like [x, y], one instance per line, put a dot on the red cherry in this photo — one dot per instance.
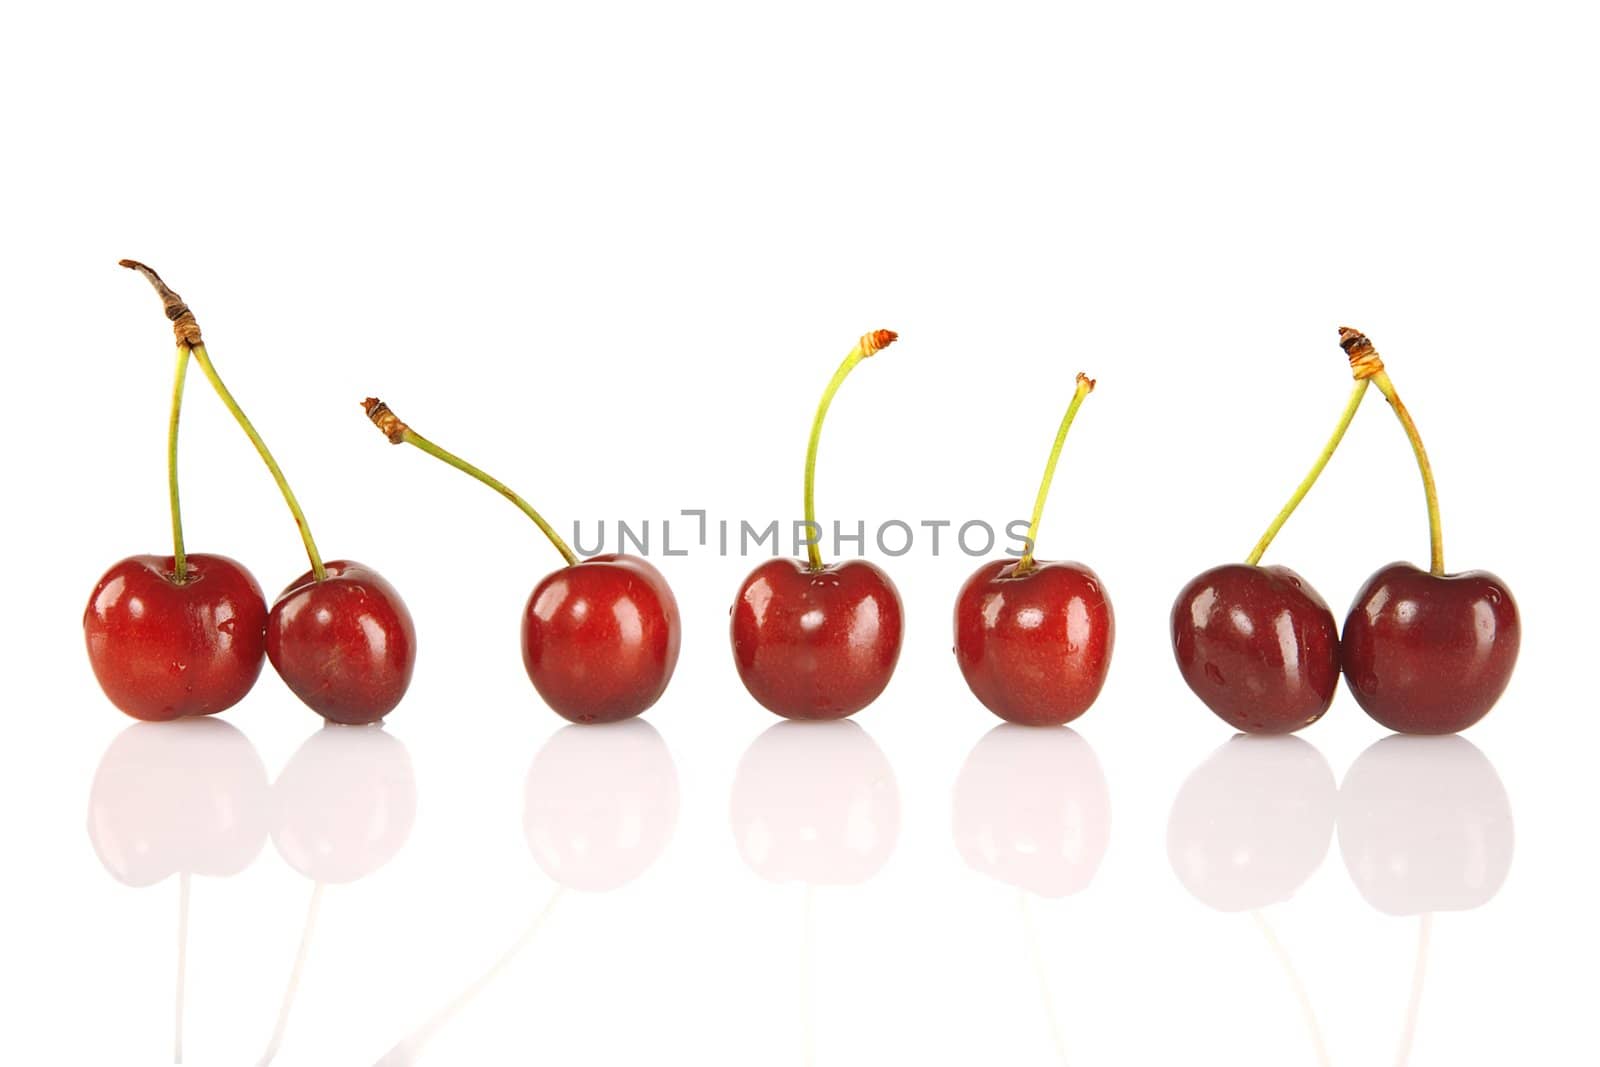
[600, 638]
[162, 650]
[345, 645]
[813, 641]
[1033, 640]
[816, 644]
[1258, 646]
[1426, 654]
[1035, 646]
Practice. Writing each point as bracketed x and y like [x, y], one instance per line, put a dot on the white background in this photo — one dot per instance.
[612, 253]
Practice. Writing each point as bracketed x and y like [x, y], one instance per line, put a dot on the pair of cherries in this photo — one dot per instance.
[1033, 639]
[180, 635]
[1423, 652]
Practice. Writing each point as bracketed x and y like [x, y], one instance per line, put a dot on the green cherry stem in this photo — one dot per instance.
[1085, 387]
[318, 571]
[1354, 341]
[869, 345]
[399, 433]
[1311, 477]
[180, 560]
[188, 334]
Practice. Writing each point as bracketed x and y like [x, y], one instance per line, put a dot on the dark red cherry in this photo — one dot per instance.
[1258, 646]
[600, 638]
[816, 644]
[161, 650]
[1429, 654]
[1034, 647]
[345, 645]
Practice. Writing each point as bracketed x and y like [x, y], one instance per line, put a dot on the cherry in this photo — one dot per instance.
[176, 635]
[1031, 808]
[346, 651]
[813, 641]
[162, 648]
[1426, 652]
[1033, 639]
[600, 637]
[366, 674]
[1258, 645]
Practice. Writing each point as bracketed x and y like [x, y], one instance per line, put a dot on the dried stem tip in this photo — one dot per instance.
[1364, 360]
[385, 420]
[874, 342]
[183, 323]
[1085, 381]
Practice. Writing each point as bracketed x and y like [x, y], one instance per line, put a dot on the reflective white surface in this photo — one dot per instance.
[612, 253]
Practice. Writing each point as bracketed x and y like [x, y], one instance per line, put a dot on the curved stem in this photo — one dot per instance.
[180, 560]
[1085, 387]
[201, 357]
[1310, 479]
[1435, 537]
[870, 344]
[399, 433]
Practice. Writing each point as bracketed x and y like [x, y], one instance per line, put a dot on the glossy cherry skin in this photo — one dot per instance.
[816, 644]
[1034, 647]
[1425, 654]
[600, 638]
[345, 645]
[161, 650]
[1258, 646]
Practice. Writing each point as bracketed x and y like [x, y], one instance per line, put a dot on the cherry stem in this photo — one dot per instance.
[1085, 387]
[1311, 477]
[1429, 490]
[180, 560]
[869, 345]
[187, 331]
[318, 571]
[399, 433]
